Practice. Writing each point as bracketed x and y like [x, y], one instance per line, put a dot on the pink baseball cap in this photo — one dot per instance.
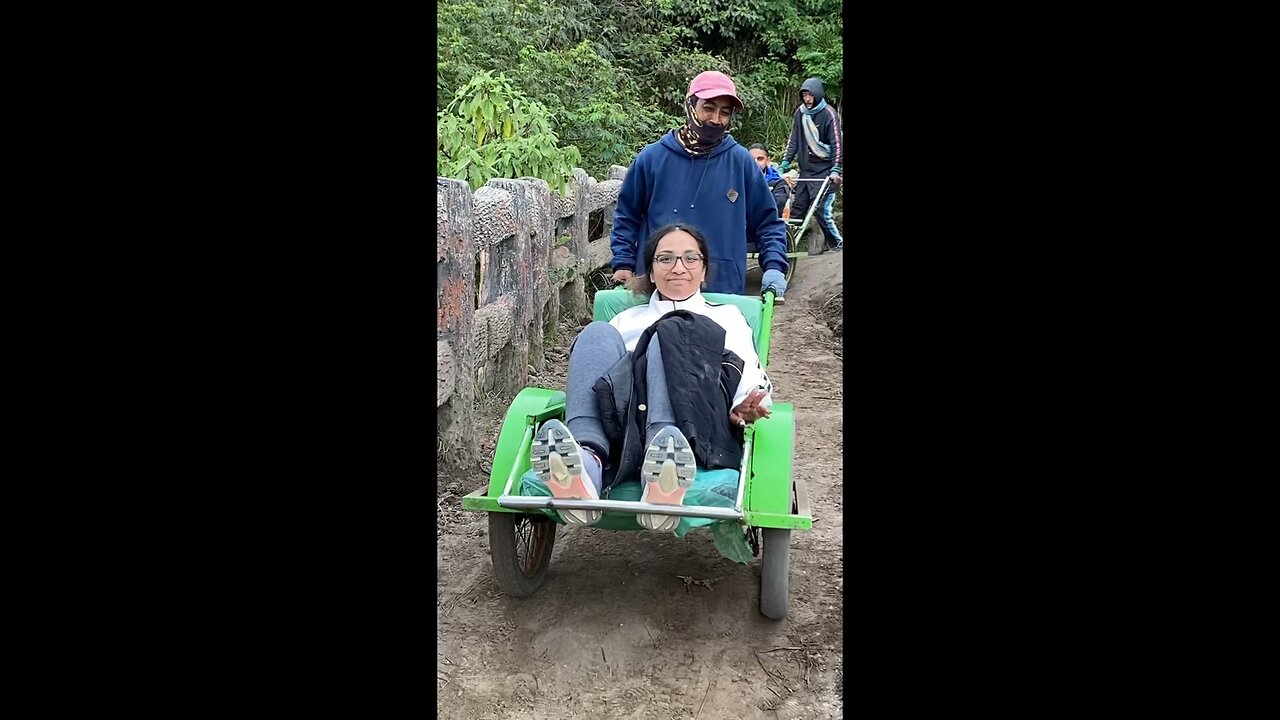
[712, 84]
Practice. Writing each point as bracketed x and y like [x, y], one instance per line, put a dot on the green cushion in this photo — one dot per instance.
[611, 302]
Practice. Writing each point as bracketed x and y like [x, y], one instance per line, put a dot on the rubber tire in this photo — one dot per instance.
[793, 245]
[506, 562]
[775, 572]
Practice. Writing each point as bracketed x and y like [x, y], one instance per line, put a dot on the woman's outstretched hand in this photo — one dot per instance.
[749, 410]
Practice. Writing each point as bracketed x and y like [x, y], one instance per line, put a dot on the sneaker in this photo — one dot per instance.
[668, 472]
[557, 459]
[838, 247]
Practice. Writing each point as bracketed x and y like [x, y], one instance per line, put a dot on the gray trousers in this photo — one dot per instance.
[594, 351]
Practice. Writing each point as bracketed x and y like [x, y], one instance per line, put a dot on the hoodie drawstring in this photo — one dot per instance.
[705, 165]
[706, 161]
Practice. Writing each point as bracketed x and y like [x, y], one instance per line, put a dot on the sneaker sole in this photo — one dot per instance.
[668, 471]
[558, 462]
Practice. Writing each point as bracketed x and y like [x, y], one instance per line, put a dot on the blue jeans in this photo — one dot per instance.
[594, 351]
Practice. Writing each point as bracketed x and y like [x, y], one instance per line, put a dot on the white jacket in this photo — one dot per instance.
[737, 336]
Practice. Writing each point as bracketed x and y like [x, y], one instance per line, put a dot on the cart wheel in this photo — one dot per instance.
[775, 573]
[520, 547]
[793, 246]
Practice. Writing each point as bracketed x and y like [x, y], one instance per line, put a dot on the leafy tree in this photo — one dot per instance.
[604, 78]
[492, 130]
[594, 106]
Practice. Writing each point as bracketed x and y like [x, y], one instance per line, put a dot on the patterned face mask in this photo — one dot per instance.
[697, 137]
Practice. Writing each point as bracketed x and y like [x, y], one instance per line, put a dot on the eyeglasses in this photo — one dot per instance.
[691, 260]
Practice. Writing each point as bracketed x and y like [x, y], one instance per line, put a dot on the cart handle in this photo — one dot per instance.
[766, 323]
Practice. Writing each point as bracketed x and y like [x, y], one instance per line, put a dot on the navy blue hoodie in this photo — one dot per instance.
[723, 194]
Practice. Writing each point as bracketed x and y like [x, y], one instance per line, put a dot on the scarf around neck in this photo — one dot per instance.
[694, 135]
[817, 107]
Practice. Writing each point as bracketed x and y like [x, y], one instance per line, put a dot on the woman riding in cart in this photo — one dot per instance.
[661, 389]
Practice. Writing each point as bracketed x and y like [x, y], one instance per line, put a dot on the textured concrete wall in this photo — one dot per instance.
[504, 277]
[455, 312]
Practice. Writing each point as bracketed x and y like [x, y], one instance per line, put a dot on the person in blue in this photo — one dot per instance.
[699, 175]
[778, 185]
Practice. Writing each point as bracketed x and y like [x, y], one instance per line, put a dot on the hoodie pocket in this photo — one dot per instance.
[724, 276]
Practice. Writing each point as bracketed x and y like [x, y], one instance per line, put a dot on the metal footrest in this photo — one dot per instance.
[524, 502]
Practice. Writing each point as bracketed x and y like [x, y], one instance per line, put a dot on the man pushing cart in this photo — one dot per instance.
[816, 146]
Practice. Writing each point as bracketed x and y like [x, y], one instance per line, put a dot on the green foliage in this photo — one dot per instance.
[491, 129]
[591, 109]
[607, 77]
[717, 17]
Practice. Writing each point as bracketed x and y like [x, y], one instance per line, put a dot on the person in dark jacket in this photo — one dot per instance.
[777, 185]
[661, 389]
[698, 174]
[817, 145]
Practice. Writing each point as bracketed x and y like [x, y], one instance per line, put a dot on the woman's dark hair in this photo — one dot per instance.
[643, 284]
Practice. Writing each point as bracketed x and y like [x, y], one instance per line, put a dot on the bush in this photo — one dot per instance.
[492, 130]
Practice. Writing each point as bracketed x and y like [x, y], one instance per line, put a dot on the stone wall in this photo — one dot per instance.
[511, 259]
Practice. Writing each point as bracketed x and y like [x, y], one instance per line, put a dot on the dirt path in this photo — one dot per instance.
[614, 633]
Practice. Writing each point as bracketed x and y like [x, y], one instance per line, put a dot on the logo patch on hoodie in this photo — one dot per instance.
[732, 195]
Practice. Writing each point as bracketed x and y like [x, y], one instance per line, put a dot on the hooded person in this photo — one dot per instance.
[817, 146]
[699, 175]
